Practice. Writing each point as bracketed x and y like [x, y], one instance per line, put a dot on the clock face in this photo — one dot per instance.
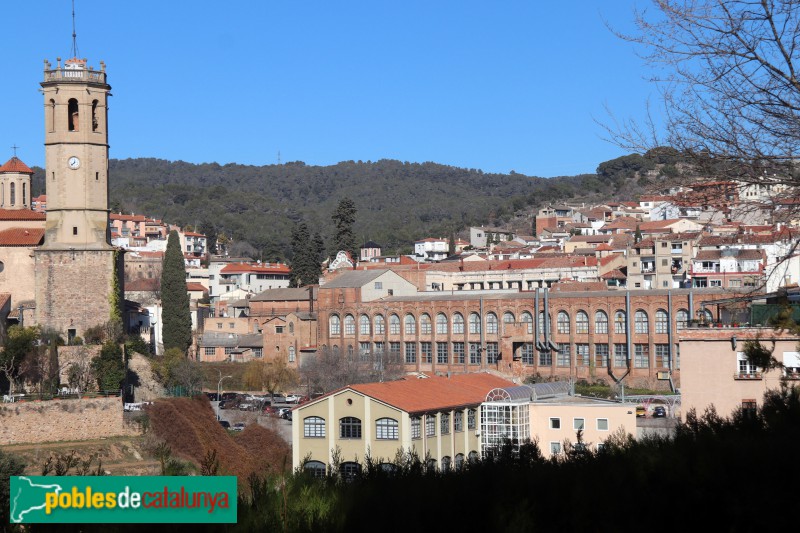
[74, 162]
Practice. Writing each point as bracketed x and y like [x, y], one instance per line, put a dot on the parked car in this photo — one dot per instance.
[244, 406]
[641, 412]
[225, 424]
[659, 411]
[292, 398]
[238, 426]
[283, 411]
[212, 396]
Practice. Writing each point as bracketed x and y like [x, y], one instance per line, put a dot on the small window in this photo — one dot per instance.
[378, 285]
[555, 448]
[602, 424]
[577, 423]
[471, 419]
[74, 230]
[555, 423]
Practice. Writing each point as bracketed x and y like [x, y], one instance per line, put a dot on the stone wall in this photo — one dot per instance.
[73, 288]
[62, 420]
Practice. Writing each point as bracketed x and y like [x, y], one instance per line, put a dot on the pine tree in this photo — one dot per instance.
[177, 322]
[305, 266]
[343, 219]
[451, 249]
[637, 236]
[319, 248]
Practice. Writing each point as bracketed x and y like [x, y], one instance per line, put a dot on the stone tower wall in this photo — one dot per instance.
[73, 288]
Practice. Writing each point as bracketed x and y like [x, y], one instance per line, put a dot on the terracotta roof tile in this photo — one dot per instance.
[15, 165]
[236, 268]
[421, 395]
[22, 237]
[21, 214]
[613, 274]
[194, 286]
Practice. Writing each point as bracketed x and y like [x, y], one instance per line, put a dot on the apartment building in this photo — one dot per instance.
[731, 268]
[661, 262]
[431, 249]
[228, 274]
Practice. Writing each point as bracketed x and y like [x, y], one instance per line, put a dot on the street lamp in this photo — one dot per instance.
[219, 384]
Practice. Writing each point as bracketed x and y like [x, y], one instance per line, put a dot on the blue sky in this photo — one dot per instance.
[493, 85]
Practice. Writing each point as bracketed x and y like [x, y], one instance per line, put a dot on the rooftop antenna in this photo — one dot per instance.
[74, 35]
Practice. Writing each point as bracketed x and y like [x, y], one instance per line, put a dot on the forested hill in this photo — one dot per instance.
[397, 202]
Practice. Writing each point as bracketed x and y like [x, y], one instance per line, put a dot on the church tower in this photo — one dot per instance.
[78, 272]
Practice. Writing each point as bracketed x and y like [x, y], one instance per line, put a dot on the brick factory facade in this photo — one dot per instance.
[585, 335]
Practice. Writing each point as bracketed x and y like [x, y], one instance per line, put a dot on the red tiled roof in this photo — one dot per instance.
[22, 237]
[603, 261]
[591, 238]
[741, 238]
[15, 165]
[194, 286]
[4, 298]
[712, 255]
[142, 253]
[21, 214]
[235, 268]
[613, 274]
[434, 393]
[604, 247]
[579, 286]
[622, 223]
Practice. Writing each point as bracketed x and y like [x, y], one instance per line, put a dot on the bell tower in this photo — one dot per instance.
[78, 273]
[76, 155]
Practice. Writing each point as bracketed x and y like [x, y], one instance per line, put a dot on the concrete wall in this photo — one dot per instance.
[62, 420]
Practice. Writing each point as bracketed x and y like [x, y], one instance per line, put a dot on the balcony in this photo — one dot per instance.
[705, 269]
